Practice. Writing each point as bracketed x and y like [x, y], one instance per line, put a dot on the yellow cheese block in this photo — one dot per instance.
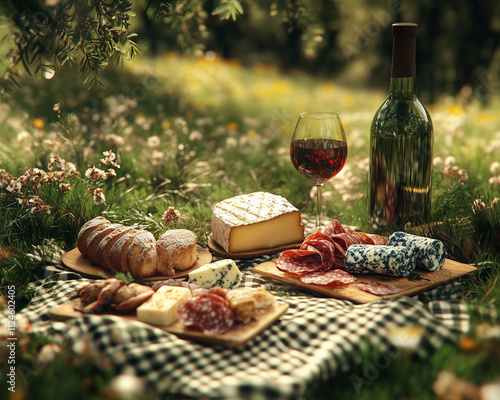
[161, 308]
[255, 221]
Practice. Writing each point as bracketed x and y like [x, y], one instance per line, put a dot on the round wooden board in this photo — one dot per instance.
[219, 251]
[77, 262]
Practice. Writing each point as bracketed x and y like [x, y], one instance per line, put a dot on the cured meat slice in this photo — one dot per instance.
[365, 239]
[378, 288]
[377, 239]
[299, 262]
[219, 291]
[333, 277]
[324, 245]
[333, 228]
[430, 253]
[388, 260]
[209, 312]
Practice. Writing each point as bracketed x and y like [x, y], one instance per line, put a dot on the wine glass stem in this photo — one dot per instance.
[318, 205]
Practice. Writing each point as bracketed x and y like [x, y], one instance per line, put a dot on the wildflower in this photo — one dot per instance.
[97, 195]
[14, 186]
[478, 206]
[57, 107]
[95, 174]
[109, 158]
[495, 168]
[38, 123]
[171, 215]
[195, 135]
[64, 187]
[154, 141]
[450, 160]
[22, 136]
[438, 161]
[232, 126]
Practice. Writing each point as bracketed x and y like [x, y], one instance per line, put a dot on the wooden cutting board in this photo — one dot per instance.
[77, 262]
[237, 336]
[429, 280]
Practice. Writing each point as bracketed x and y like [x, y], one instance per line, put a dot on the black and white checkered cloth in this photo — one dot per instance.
[316, 339]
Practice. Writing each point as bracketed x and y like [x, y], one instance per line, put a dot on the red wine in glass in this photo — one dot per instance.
[318, 159]
[318, 149]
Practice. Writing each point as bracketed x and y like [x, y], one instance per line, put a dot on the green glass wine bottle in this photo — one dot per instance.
[401, 141]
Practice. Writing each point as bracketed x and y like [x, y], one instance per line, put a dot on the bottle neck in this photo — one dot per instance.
[403, 72]
[405, 87]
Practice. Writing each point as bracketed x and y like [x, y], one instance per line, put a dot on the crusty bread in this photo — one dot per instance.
[107, 243]
[96, 237]
[125, 249]
[141, 256]
[176, 250]
[86, 230]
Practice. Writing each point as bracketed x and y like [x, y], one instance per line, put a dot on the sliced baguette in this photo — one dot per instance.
[141, 255]
[86, 230]
[95, 238]
[107, 243]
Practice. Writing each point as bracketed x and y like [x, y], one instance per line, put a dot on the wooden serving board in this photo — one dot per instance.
[219, 251]
[450, 270]
[77, 262]
[237, 336]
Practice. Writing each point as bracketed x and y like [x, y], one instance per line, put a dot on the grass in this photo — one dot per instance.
[190, 132]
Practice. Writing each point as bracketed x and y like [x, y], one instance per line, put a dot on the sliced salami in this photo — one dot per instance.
[377, 239]
[334, 277]
[219, 291]
[378, 288]
[333, 228]
[209, 312]
[299, 262]
[365, 239]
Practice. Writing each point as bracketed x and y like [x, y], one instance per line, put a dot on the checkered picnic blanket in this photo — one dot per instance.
[315, 340]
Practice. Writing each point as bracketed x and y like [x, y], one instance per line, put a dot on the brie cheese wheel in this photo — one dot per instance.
[223, 273]
[255, 221]
[161, 308]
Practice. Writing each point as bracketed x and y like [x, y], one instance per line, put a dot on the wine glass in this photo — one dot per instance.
[318, 149]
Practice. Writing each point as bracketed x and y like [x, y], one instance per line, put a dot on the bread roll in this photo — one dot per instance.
[176, 251]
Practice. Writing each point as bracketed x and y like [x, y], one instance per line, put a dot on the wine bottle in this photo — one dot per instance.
[401, 141]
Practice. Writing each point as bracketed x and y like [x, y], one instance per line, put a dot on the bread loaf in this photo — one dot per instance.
[176, 251]
[120, 248]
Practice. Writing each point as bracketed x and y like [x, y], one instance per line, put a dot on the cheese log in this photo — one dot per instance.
[430, 253]
[223, 273]
[86, 230]
[255, 221]
[161, 308]
[380, 259]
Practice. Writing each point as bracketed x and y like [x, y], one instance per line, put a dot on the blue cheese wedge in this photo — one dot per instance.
[430, 253]
[380, 259]
[255, 221]
[161, 308]
[223, 273]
